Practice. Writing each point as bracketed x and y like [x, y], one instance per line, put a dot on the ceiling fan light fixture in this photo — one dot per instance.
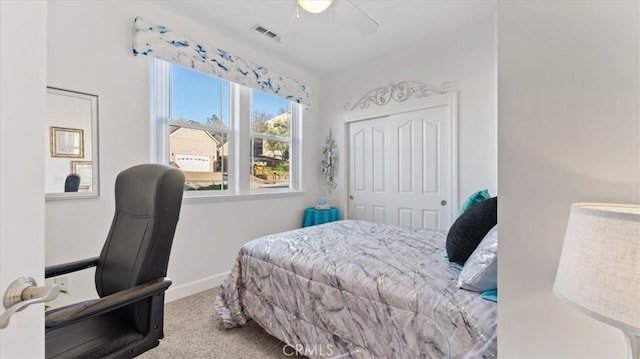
[315, 6]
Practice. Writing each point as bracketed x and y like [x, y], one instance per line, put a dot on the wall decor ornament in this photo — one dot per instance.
[160, 42]
[398, 92]
[330, 162]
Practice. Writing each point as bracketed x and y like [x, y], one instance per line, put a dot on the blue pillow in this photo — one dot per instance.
[491, 295]
[476, 197]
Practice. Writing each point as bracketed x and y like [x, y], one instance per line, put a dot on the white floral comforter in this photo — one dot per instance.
[359, 290]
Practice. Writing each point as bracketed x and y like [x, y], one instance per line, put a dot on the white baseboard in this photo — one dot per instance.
[197, 286]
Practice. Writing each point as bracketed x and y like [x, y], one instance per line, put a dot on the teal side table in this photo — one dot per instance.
[314, 216]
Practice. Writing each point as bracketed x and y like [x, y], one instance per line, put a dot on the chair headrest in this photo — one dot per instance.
[72, 183]
[139, 189]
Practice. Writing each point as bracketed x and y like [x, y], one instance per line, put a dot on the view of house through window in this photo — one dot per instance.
[203, 126]
[270, 141]
[199, 129]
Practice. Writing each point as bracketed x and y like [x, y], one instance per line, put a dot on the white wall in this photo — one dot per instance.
[469, 59]
[569, 131]
[90, 51]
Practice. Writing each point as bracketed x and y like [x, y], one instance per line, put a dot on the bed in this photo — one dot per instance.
[359, 290]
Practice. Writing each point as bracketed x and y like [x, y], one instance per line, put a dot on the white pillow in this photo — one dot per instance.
[480, 271]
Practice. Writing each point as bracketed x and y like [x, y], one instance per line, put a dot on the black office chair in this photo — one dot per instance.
[72, 183]
[130, 274]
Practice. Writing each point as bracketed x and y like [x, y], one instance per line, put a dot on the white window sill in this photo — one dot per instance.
[194, 198]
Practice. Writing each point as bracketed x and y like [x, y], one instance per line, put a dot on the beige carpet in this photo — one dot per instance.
[192, 329]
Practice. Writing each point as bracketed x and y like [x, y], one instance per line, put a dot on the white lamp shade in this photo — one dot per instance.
[599, 269]
[315, 6]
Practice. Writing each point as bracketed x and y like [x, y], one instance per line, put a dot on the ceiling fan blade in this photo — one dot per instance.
[363, 22]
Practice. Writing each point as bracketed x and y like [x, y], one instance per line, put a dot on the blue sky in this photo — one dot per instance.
[190, 101]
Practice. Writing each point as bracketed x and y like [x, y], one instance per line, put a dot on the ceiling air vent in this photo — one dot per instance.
[266, 32]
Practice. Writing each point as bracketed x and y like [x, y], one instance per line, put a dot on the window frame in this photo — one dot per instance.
[239, 139]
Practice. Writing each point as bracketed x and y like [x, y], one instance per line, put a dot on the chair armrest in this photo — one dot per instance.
[73, 313]
[60, 269]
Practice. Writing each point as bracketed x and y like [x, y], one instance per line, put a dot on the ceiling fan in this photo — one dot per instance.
[344, 9]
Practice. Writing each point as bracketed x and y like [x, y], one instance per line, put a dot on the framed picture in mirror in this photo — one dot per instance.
[67, 142]
[84, 169]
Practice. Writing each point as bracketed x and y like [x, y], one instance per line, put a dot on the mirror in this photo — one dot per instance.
[71, 158]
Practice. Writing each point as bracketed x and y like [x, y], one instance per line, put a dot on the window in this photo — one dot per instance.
[227, 139]
[199, 129]
[270, 141]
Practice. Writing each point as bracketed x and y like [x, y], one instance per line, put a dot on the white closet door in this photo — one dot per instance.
[400, 168]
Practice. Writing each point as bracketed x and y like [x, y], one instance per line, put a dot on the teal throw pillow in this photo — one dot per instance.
[491, 295]
[476, 197]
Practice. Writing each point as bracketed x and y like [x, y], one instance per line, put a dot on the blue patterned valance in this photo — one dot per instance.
[160, 42]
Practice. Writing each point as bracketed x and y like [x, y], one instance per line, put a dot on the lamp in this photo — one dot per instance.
[599, 269]
[315, 6]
